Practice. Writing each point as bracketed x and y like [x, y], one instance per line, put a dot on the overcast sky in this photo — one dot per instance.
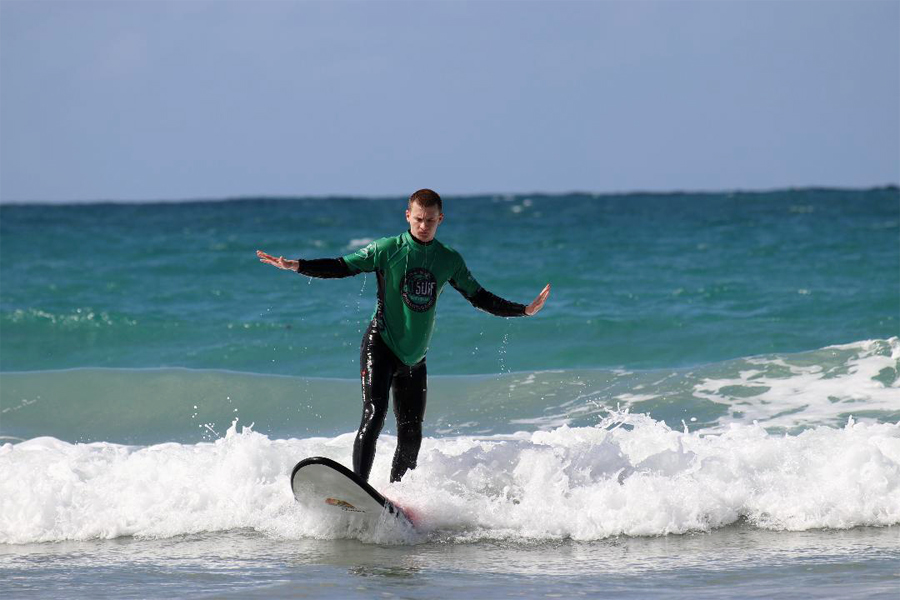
[132, 100]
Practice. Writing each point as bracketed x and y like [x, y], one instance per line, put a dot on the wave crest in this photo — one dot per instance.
[627, 475]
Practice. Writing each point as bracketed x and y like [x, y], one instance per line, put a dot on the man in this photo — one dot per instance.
[412, 269]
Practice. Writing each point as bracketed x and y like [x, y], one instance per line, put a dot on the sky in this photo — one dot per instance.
[130, 100]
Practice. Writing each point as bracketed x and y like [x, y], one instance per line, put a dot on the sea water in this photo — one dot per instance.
[708, 405]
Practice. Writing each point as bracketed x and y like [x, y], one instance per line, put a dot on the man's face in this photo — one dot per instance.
[423, 222]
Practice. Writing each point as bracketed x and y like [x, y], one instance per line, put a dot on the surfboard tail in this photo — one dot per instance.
[411, 514]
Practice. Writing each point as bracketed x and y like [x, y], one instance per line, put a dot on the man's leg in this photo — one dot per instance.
[377, 364]
[410, 391]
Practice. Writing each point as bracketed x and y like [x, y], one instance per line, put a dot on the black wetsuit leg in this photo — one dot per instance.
[410, 391]
[380, 370]
[376, 364]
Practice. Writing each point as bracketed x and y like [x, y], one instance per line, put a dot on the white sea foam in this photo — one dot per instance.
[357, 243]
[628, 475]
[783, 394]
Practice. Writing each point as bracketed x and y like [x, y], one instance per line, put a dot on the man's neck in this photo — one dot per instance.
[417, 240]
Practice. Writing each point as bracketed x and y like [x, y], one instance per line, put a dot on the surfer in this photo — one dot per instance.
[412, 269]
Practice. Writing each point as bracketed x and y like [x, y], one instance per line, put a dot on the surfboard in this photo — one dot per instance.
[332, 489]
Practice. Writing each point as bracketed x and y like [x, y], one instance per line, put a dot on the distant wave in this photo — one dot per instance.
[783, 393]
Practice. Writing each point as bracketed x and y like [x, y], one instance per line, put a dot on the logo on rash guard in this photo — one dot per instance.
[419, 289]
[366, 251]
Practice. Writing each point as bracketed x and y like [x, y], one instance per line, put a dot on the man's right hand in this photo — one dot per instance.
[280, 262]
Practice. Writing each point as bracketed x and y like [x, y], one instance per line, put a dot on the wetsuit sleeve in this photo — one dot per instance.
[324, 268]
[480, 298]
[364, 260]
[488, 302]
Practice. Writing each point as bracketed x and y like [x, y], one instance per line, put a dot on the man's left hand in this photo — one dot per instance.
[538, 303]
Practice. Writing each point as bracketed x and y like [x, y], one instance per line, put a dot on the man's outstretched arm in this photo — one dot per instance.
[324, 268]
[495, 305]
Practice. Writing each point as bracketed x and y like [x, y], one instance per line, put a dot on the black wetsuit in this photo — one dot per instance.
[381, 371]
[411, 275]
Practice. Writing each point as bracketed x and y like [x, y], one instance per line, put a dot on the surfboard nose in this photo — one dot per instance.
[326, 486]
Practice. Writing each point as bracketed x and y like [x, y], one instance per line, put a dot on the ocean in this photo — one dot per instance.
[707, 406]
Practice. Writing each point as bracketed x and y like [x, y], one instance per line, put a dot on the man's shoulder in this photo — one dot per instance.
[373, 246]
[388, 242]
[451, 253]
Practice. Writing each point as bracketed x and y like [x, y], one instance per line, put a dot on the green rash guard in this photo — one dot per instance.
[411, 276]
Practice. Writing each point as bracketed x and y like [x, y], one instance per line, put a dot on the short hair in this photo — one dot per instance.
[426, 198]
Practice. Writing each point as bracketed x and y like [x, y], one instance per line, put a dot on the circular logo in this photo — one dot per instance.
[419, 289]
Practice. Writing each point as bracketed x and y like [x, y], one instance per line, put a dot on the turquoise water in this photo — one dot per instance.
[638, 281]
[708, 404]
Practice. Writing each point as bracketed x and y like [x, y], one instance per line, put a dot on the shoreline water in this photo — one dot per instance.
[737, 562]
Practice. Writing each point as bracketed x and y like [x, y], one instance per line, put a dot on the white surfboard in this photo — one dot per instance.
[328, 487]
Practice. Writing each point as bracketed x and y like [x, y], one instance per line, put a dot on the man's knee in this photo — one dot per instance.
[409, 432]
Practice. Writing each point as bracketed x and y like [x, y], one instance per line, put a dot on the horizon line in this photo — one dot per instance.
[378, 197]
